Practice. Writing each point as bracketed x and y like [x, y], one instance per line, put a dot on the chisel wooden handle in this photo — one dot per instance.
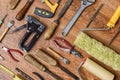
[13, 3]
[29, 58]
[43, 56]
[23, 11]
[4, 34]
[50, 31]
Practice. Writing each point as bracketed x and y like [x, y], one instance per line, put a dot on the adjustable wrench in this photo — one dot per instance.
[84, 4]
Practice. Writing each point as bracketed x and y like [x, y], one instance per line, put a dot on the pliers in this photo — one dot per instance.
[68, 48]
[12, 50]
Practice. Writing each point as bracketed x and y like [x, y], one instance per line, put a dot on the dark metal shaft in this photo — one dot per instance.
[94, 16]
[113, 38]
[38, 75]
[53, 75]
[63, 10]
[68, 72]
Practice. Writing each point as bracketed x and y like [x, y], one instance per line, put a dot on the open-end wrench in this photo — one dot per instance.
[84, 4]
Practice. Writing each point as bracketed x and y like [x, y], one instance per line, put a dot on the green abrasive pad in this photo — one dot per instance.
[98, 50]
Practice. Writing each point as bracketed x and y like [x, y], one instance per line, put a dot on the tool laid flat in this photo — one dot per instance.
[20, 15]
[2, 20]
[9, 25]
[84, 4]
[13, 3]
[51, 29]
[32, 60]
[68, 47]
[46, 58]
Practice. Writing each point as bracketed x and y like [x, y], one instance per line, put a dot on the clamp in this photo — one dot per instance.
[45, 13]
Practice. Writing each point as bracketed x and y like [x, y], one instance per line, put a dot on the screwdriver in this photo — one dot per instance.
[15, 76]
[33, 61]
[2, 20]
[54, 25]
[43, 56]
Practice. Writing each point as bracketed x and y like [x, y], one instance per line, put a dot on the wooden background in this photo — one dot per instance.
[12, 40]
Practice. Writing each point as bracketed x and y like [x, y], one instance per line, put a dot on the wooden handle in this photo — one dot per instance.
[43, 56]
[23, 11]
[50, 31]
[54, 53]
[29, 58]
[3, 34]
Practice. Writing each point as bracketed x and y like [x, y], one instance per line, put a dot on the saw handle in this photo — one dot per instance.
[23, 11]
[50, 31]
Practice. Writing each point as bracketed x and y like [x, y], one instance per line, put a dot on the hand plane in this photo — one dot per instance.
[33, 26]
[45, 13]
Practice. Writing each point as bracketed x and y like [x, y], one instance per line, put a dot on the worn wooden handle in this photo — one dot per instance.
[46, 58]
[29, 58]
[54, 53]
[13, 3]
[50, 31]
[3, 34]
[23, 11]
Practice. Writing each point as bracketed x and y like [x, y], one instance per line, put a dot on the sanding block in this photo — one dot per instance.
[98, 50]
[13, 3]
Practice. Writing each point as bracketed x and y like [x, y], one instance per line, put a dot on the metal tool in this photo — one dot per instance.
[33, 26]
[9, 25]
[27, 77]
[113, 38]
[38, 75]
[45, 13]
[110, 24]
[51, 29]
[66, 61]
[10, 52]
[32, 60]
[46, 58]
[84, 4]
[20, 15]
[15, 76]
[94, 16]
[68, 48]
[13, 3]
[2, 20]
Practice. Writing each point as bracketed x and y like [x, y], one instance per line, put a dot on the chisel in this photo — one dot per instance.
[2, 20]
[46, 58]
[51, 29]
[32, 60]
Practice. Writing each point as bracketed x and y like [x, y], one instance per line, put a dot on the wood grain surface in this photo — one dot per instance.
[12, 40]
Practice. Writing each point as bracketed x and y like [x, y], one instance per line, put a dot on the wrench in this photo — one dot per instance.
[84, 4]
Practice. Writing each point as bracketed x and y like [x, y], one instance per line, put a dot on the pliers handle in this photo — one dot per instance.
[68, 48]
[12, 50]
[67, 44]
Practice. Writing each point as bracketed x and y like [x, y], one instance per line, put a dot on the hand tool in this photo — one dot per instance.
[46, 58]
[2, 20]
[113, 38]
[110, 24]
[45, 13]
[12, 50]
[9, 25]
[94, 16]
[68, 48]
[97, 70]
[66, 61]
[13, 3]
[38, 75]
[84, 4]
[27, 77]
[20, 15]
[51, 29]
[94, 48]
[33, 26]
[15, 76]
[32, 60]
